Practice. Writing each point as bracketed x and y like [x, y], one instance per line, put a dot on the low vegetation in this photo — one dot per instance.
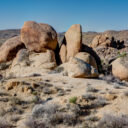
[49, 115]
[110, 121]
[123, 54]
[73, 100]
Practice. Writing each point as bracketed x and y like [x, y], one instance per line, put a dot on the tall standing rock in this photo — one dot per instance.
[73, 39]
[38, 37]
[10, 48]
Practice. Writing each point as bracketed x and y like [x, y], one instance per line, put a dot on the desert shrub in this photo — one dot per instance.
[4, 123]
[88, 97]
[48, 115]
[16, 101]
[46, 108]
[4, 66]
[74, 108]
[34, 93]
[110, 121]
[34, 123]
[91, 89]
[15, 118]
[88, 125]
[92, 118]
[123, 54]
[47, 90]
[2, 112]
[100, 102]
[57, 70]
[73, 100]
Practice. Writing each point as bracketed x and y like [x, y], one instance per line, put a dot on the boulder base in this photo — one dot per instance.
[27, 63]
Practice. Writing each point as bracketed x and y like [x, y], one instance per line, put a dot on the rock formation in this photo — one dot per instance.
[27, 63]
[71, 43]
[120, 67]
[100, 40]
[10, 48]
[86, 57]
[107, 41]
[73, 39]
[77, 68]
[38, 37]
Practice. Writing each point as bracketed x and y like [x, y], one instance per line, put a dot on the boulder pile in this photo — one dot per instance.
[107, 41]
[37, 51]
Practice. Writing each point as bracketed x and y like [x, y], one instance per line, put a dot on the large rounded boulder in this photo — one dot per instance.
[10, 48]
[38, 37]
[120, 67]
[86, 57]
[77, 68]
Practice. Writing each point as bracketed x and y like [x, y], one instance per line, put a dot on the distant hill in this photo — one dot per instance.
[87, 37]
[6, 34]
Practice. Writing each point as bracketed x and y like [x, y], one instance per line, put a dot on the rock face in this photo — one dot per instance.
[86, 57]
[63, 53]
[27, 63]
[38, 37]
[100, 40]
[73, 39]
[10, 48]
[120, 68]
[77, 68]
[107, 41]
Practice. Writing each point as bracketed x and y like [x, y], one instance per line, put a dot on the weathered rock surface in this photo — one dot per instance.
[77, 68]
[27, 63]
[100, 40]
[38, 36]
[86, 57]
[107, 41]
[10, 48]
[120, 68]
[63, 53]
[73, 39]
